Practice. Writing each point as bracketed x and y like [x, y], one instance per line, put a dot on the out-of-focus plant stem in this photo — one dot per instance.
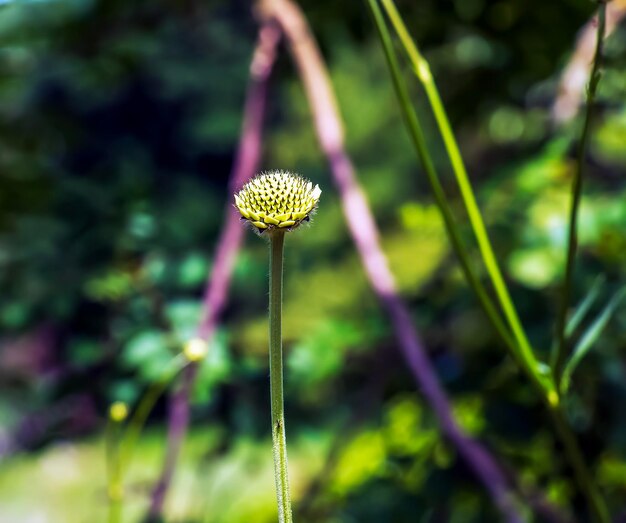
[577, 184]
[597, 505]
[279, 440]
[364, 232]
[543, 383]
[114, 471]
[246, 164]
[138, 420]
[422, 70]
[121, 443]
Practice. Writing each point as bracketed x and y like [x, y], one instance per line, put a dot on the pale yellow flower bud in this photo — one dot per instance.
[195, 349]
[118, 411]
[277, 200]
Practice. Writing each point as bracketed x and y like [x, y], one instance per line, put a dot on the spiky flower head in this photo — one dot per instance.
[277, 200]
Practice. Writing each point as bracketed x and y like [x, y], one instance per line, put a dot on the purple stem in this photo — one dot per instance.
[246, 164]
[364, 232]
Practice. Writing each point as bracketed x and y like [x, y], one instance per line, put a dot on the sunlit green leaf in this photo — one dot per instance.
[590, 336]
[584, 306]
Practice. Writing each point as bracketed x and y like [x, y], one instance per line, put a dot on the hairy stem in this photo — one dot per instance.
[281, 473]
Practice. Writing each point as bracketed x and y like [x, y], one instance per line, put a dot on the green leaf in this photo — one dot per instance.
[184, 316]
[193, 270]
[584, 306]
[149, 354]
[216, 368]
[145, 346]
[590, 336]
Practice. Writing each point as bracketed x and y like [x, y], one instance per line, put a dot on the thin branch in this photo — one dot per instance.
[525, 358]
[541, 381]
[577, 184]
[422, 70]
[246, 164]
[365, 235]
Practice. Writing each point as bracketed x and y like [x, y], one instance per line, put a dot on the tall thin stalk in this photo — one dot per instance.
[584, 478]
[117, 414]
[281, 473]
[144, 408]
[121, 441]
[422, 70]
[577, 184]
[274, 203]
[542, 382]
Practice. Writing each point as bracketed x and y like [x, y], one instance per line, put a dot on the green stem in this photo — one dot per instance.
[572, 239]
[146, 404]
[544, 385]
[119, 448]
[281, 473]
[422, 70]
[114, 472]
[597, 505]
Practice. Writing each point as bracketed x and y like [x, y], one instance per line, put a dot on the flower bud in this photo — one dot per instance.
[118, 411]
[195, 349]
[277, 200]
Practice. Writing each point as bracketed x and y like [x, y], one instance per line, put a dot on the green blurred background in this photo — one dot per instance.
[118, 126]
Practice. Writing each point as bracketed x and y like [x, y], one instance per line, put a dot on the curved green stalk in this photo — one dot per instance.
[541, 381]
[146, 404]
[114, 472]
[422, 70]
[120, 445]
[597, 505]
[281, 472]
[572, 239]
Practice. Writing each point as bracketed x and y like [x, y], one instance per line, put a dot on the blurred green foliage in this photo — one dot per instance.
[119, 123]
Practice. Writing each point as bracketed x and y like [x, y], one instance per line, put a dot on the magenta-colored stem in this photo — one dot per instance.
[364, 232]
[246, 164]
